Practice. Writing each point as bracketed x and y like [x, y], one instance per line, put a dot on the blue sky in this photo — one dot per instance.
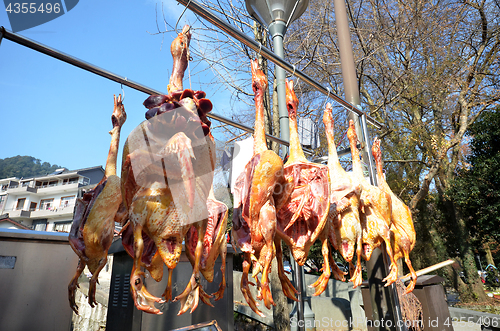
[61, 114]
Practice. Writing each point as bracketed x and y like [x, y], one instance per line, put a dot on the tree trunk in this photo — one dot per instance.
[473, 291]
[489, 257]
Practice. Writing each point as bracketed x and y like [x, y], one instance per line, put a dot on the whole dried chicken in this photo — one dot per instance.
[345, 228]
[402, 229]
[375, 215]
[214, 244]
[254, 216]
[167, 173]
[303, 215]
[93, 226]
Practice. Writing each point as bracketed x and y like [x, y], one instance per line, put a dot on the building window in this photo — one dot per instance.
[62, 226]
[20, 203]
[33, 206]
[67, 201]
[39, 225]
[46, 204]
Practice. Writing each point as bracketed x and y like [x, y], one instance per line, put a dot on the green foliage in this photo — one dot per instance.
[24, 166]
[476, 188]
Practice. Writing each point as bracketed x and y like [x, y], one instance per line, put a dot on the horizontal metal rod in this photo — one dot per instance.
[114, 77]
[21, 40]
[199, 9]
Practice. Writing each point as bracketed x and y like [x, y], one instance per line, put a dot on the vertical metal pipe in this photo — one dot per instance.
[300, 296]
[277, 30]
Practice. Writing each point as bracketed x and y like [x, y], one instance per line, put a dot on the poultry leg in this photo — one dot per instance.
[267, 224]
[245, 288]
[143, 299]
[222, 286]
[413, 274]
[74, 284]
[94, 280]
[288, 289]
[356, 275]
[190, 296]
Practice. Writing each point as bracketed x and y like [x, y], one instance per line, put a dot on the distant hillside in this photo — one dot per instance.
[25, 166]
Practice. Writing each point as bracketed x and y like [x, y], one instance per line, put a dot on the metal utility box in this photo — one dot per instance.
[430, 292]
[35, 270]
[123, 316]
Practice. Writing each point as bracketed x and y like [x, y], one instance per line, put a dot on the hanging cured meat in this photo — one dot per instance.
[375, 210]
[167, 173]
[93, 226]
[402, 229]
[345, 228]
[303, 215]
[254, 216]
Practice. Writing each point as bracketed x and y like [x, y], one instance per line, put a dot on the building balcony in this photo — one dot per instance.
[53, 189]
[19, 213]
[21, 189]
[53, 212]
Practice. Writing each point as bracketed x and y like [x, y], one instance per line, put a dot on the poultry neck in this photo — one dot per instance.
[117, 118]
[333, 158]
[259, 85]
[292, 103]
[180, 55]
[356, 162]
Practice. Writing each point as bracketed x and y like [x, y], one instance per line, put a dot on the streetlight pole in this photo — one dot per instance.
[277, 29]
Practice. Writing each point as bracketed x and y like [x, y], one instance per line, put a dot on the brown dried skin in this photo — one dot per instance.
[93, 226]
[403, 234]
[375, 211]
[254, 215]
[345, 229]
[303, 215]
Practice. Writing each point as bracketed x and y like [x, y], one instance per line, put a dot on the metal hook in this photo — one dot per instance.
[260, 48]
[123, 91]
[326, 100]
[182, 14]
[293, 74]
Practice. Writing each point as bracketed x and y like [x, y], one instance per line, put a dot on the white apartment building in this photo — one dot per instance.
[45, 203]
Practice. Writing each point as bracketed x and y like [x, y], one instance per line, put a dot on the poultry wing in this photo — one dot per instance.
[254, 216]
[303, 214]
[93, 225]
[375, 207]
[167, 173]
[402, 230]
